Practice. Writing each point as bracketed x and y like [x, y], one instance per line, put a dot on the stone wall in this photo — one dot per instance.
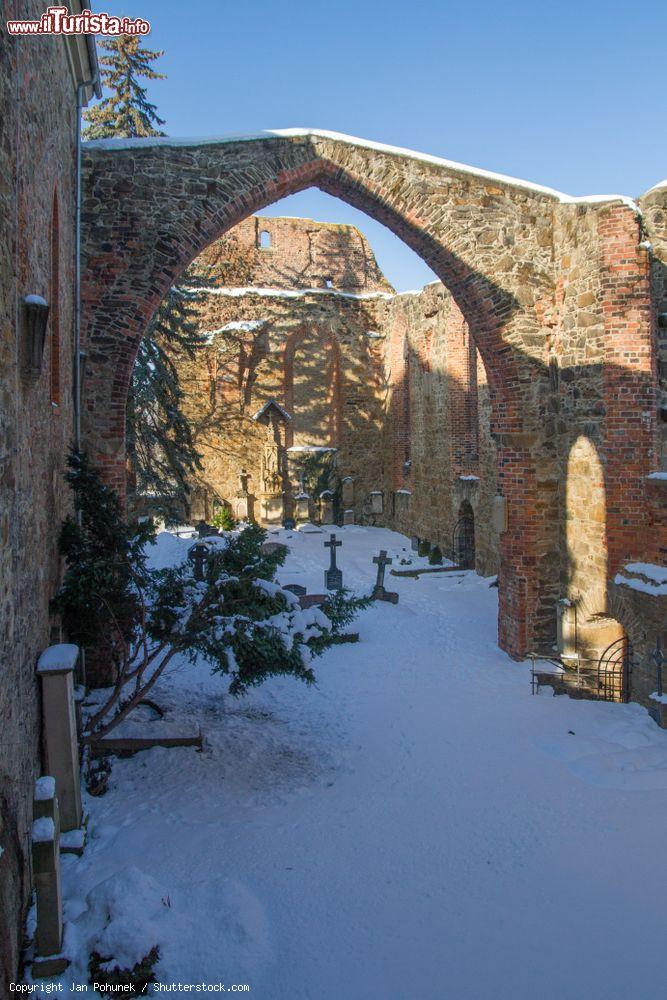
[38, 102]
[439, 451]
[559, 296]
[392, 382]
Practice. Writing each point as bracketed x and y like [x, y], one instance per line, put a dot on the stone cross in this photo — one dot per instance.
[198, 554]
[659, 660]
[382, 561]
[333, 577]
[379, 593]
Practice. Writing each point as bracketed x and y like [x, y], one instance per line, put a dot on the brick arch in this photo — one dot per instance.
[150, 207]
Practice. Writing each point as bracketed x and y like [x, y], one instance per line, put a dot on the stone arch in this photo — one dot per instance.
[151, 206]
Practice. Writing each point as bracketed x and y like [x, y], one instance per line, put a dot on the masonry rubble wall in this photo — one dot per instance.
[38, 101]
[383, 379]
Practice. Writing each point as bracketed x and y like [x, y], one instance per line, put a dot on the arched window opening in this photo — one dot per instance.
[264, 240]
[55, 304]
[328, 283]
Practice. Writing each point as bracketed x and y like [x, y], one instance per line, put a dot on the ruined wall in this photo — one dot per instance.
[277, 330]
[293, 253]
[392, 382]
[603, 368]
[439, 452]
[36, 255]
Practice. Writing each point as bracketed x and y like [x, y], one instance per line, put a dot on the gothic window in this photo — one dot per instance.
[264, 239]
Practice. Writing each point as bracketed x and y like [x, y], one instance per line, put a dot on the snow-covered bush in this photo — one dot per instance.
[435, 556]
[237, 619]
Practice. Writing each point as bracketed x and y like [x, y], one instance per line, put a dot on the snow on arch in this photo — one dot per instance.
[380, 147]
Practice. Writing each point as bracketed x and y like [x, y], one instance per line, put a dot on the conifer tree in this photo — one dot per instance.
[160, 447]
[126, 112]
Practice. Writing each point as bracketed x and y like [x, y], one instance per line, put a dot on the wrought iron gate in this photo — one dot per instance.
[613, 672]
[463, 542]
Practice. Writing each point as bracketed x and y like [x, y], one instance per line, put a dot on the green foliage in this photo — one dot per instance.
[223, 519]
[341, 608]
[435, 556]
[242, 628]
[319, 474]
[138, 977]
[126, 111]
[424, 548]
[236, 619]
[161, 449]
[104, 558]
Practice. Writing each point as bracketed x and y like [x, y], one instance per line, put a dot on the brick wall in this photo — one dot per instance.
[390, 381]
[36, 256]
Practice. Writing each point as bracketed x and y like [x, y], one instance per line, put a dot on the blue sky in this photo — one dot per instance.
[564, 94]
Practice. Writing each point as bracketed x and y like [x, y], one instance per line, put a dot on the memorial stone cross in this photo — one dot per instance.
[333, 577]
[379, 592]
[382, 561]
[198, 554]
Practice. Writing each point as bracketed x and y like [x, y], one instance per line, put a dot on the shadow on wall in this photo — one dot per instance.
[513, 331]
[317, 364]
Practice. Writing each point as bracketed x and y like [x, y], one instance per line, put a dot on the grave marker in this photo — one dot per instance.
[379, 592]
[333, 577]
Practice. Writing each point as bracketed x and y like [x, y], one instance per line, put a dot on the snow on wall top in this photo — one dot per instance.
[381, 147]
[288, 293]
[45, 788]
[58, 659]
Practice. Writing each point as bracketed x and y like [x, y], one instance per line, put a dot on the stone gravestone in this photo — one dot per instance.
[302, 507]
[241, 502]
[377, 506]
[379, 592]
[348, 517]
[326, 507]
[295, 588]
[197, 555]
[333, 577]
[348, 492]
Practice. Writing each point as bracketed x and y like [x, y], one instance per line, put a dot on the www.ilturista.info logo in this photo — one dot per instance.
[59, 21]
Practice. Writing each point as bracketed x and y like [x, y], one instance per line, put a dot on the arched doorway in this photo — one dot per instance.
[169, 200]
[463, 537]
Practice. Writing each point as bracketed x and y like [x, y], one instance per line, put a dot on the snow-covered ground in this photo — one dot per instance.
[416, 826]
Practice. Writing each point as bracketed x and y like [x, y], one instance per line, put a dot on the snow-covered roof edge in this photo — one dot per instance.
[267, 406]
[294, 133]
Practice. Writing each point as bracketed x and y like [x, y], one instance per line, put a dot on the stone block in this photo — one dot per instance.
[56, 669]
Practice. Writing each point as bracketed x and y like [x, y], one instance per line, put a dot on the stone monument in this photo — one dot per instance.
[379, 592]
[333, 577]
